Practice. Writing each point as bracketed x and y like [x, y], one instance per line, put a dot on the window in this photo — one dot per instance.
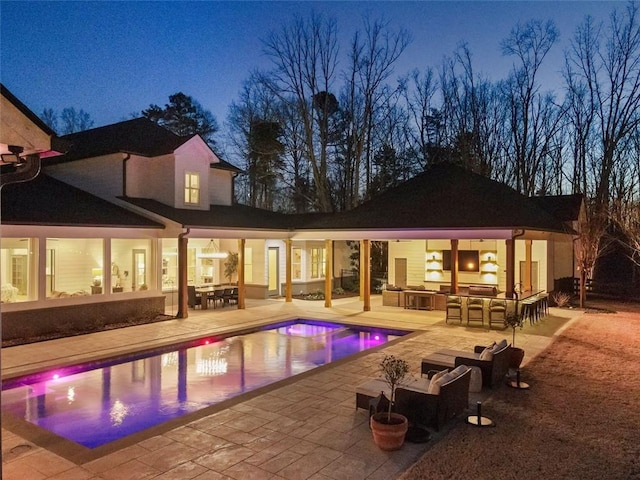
[129, 264]
[296, 263]
[192, 188]
[17, 259]
[317, 262]
[76, 267]
[169, 263]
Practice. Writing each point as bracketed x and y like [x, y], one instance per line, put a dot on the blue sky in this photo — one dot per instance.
[114, 58]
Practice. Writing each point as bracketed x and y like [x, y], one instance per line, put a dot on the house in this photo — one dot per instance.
[131, 214]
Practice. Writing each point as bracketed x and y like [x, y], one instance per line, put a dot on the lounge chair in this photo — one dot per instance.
[493, 361]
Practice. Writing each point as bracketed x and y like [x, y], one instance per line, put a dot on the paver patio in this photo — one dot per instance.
[302, 428]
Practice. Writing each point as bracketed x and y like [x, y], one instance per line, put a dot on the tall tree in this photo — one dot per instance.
[184, 116]
[605, 66]
[603, 69]
[304, 57]
[372, 57]
[533, 116]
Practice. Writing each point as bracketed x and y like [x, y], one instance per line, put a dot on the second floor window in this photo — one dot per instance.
[192, 188]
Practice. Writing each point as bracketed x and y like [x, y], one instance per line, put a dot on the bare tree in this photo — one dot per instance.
[423, 131]
[372, 56]
[533, 116]
[473, 114]
[50, 118]
[304, 55]
[255, 126]
[72, 120]
[603, 71]
[607, 66]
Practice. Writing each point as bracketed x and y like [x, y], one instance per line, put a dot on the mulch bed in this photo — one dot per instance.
[580, 419]
[112, 326]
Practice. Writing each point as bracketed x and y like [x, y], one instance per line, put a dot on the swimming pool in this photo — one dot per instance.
[98, 403]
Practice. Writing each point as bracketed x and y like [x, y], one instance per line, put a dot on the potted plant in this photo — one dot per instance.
[389, 428]
[231, 265]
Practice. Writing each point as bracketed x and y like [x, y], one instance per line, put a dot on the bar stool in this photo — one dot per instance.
[528, 310]
[475, 310]
[454, 308]
[544, 304]
[497, 311]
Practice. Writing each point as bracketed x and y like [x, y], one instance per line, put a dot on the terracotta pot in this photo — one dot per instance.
[517, 354]
[388, 436]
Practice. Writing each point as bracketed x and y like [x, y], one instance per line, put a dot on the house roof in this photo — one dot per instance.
[564, 207]
[47, 201]
[446, 197]
[223, 216]
[139, 136]
[443, 197]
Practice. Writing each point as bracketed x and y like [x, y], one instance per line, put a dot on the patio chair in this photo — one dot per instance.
[193, 298]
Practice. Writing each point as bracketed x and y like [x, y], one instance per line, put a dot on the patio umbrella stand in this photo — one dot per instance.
[478, 420]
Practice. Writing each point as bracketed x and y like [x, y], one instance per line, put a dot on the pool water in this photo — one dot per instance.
[98, 403]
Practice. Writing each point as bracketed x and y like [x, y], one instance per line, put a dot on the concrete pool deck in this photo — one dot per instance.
[303, 428]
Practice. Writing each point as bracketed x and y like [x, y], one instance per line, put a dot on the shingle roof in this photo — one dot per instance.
[224, 216]
[564, 207]
[446, 197]
[47, 201]
[140, 136]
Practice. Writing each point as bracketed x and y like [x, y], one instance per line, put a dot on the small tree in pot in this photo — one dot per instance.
[389, 428]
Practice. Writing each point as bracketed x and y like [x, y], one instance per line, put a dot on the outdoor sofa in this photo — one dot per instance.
[425, 402]
[493, 361]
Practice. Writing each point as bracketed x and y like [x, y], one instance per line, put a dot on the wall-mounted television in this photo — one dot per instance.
[468, 260]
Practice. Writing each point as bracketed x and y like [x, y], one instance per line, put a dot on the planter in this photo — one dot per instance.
[517, 354]
[388, 436]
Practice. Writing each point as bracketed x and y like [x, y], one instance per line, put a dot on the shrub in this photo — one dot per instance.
[561, 299]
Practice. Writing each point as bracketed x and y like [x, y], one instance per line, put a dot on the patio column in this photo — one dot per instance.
[527, 281]
[454, 266]
[241, 293]
[183, 298]
[365, 274]
[328, 272]
[511, 266]
[287, 286]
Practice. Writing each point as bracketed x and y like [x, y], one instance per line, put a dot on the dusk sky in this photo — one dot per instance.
[113, 59]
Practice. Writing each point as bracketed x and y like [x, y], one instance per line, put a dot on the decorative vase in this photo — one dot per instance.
[387, 435]
[517, 354]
